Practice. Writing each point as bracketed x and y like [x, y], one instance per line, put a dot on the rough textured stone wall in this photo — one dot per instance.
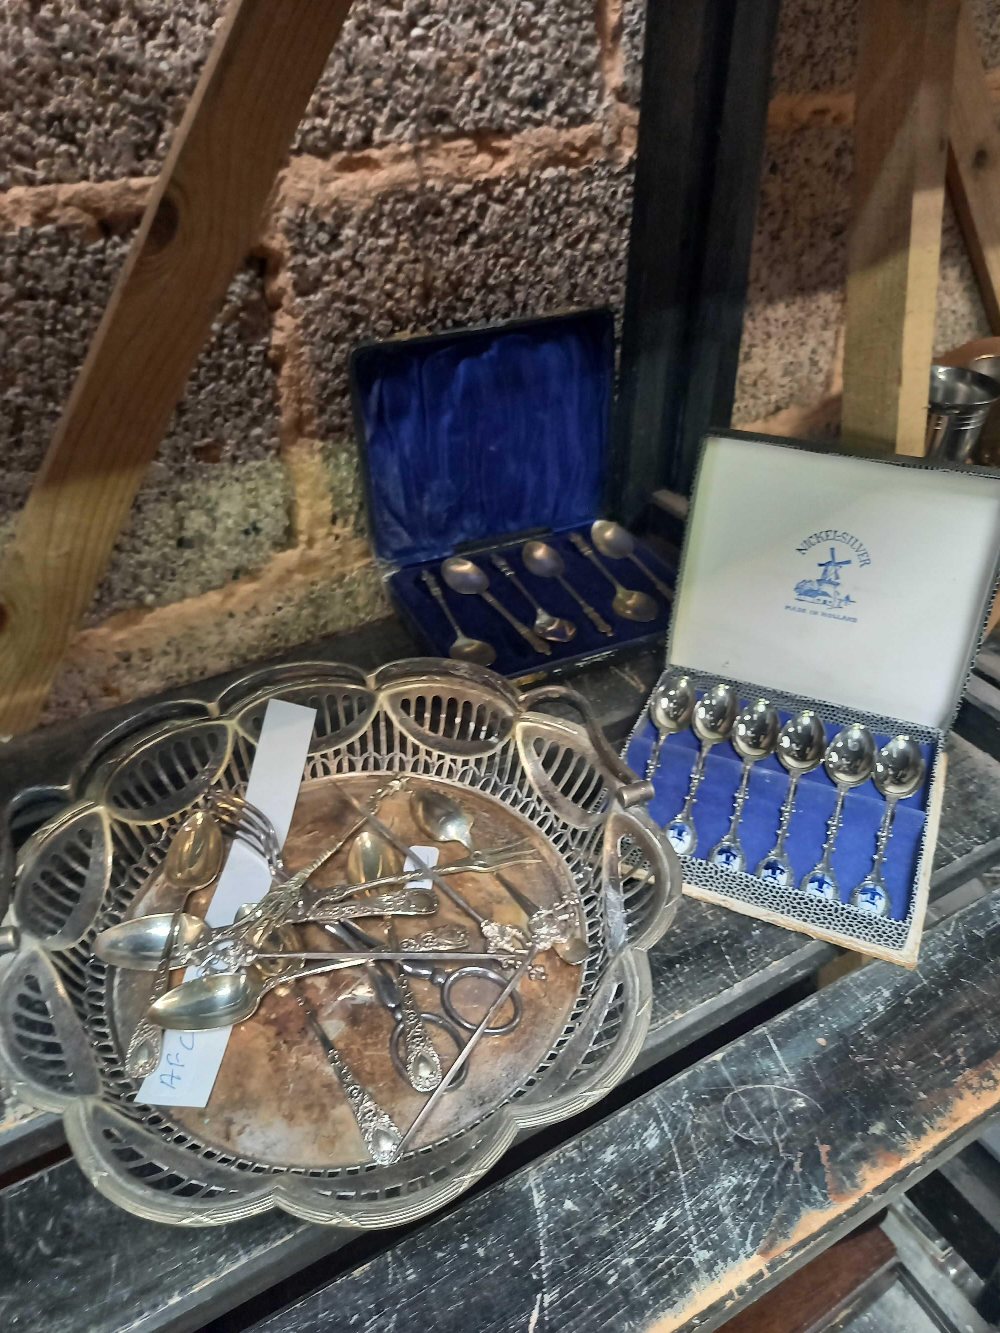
[460, 161]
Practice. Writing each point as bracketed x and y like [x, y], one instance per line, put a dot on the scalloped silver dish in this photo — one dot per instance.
[85, 869]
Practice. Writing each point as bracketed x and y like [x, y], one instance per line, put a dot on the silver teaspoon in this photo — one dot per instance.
[553, 628]
[628, 603]
[545, 562]
[712, 721]
[849, 761]
[465, 576]
[899, 771]
[463, 648]
[617, 543]
[800, 750]
[754, 737]
[670, 708]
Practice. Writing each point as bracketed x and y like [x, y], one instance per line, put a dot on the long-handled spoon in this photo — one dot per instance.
[617, 543]
[443, 819]
[193, 861]
[464, 576]
[670, 708]
[463, 648]
[899, 772]
[754, 737]
[711, 721]
[849, 761]
[629, 603]
[545, 562]
[800, 750]
[554, 628]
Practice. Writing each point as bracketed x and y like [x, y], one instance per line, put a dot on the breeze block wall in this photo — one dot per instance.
[461, 161]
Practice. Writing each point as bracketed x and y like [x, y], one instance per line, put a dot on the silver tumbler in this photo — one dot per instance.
[959, 403]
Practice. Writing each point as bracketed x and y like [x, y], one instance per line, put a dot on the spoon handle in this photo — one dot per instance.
[595, 617]
[785, 820]
[740, 801]
[434, 588]
[588, 551]
[665, 591]
[654, 755]
[505, 569]
[832, 829]
[697, 773]
[529, 635]
[146, 1043]
[882, 839]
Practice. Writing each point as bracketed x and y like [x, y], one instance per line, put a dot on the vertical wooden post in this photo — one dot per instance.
[198, 227]
[974, 166]
[905, 71]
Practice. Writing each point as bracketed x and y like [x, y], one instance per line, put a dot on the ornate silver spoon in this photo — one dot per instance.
[712, 721]
[617, 543]
[629, 603]
[754, 737]
[800, 750]
[670, 708]
[849, 761]
[899, 771]
[545, 562]
[553, 628]
[463, 648]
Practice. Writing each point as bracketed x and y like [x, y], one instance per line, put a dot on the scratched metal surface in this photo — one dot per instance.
[687, 1201]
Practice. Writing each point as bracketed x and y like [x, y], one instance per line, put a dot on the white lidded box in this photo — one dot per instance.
[857, 588]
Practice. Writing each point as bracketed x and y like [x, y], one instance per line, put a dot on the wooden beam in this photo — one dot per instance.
[200, 224]
[905, 68]
[974, 166]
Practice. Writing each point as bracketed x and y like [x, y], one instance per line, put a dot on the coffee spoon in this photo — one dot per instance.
[849, 761]
[800, 750]
[755, 735]
[617, 543]
[548, 626]
[628, 603]
[545, 562]
[670, 708]
[899, 772]
[464, 576]
[463, 649]
[712, 721]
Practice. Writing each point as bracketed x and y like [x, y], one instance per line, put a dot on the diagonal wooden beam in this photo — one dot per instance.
[974, 166]
[199, 226]
[905, 67]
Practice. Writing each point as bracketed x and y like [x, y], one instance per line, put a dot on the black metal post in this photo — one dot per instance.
[703, 117]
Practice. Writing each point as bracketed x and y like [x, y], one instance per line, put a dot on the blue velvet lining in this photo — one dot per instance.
[514, 655]
[478, 435]
[863, 811]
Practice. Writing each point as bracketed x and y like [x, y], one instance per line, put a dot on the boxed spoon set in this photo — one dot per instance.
[828, 610]
[485, 455]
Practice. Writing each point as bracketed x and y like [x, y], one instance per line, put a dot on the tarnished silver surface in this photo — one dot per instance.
[453, 722]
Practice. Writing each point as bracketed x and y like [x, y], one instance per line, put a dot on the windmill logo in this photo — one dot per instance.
[828, 589]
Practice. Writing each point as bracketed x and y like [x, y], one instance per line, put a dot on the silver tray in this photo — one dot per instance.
[60, 1007]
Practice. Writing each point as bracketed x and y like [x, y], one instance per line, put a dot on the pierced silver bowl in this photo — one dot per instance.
[60, 1007]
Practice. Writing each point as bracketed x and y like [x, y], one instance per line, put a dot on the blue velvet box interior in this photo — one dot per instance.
[814, 803]
[476, 440]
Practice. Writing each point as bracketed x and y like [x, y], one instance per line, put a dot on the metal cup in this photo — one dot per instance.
[960, 401]
[987, 450]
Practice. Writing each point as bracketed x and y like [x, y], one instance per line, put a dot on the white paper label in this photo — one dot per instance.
[190, 1062]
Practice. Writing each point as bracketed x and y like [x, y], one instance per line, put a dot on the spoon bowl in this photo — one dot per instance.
[899, 768]
[140, 944]
[801, 741]
[464, 576]
[612, 540]
[850, 756]
[372, 857]
[196, 853]
[671, 704]
[543, 560]
[714, 714]
[755, 732]
[210, 1002]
